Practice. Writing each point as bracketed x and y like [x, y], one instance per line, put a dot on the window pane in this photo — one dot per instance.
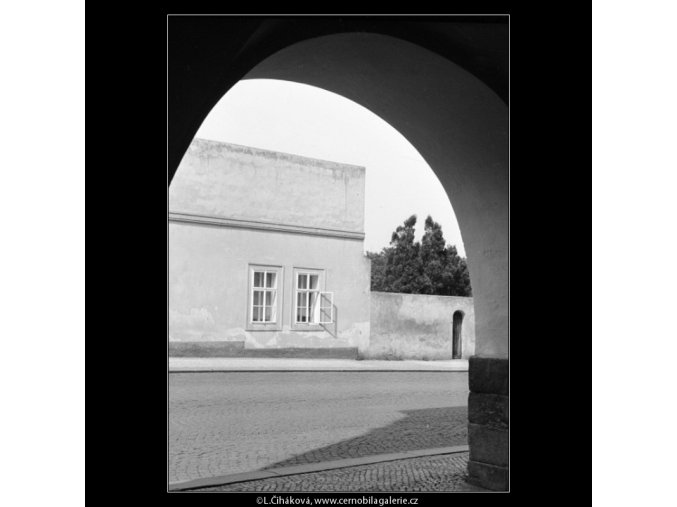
[270, 298]
[303, 281]
[256, 314]
[268, 314]
[301, 307]
[326, 307]
[313, 281]
[258, 278]
[314, 316]
[258, 297]
[270, 280]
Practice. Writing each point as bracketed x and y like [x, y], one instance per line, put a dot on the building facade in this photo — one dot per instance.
[266, 251]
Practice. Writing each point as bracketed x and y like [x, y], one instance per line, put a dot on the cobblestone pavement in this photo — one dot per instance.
[432, 473]
[225, 423]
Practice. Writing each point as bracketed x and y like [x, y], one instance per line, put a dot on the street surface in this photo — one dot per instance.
[431, 473]
[229, 422]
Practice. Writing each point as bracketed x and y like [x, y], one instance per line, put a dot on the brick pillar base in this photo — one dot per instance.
[488, 417]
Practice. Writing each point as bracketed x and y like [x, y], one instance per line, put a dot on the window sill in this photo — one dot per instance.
[308, 327]
[273, 326]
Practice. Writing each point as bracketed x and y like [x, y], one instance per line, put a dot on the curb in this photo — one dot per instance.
[216, 370]
[311, 467]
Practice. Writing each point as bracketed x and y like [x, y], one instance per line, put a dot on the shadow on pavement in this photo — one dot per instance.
[418, 429]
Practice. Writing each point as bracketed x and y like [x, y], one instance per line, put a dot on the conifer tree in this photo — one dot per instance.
[428, 267]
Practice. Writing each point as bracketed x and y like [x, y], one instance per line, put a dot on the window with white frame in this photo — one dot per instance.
[263, 300]
[311, 305]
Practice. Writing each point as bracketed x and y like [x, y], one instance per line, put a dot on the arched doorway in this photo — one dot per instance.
[460, 127]
[456, 341]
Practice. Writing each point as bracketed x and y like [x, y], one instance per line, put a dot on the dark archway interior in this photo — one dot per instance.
[208, 55]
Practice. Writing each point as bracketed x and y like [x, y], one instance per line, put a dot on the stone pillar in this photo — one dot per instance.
[488, 417]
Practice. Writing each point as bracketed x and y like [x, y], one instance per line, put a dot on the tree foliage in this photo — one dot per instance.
[428, 267]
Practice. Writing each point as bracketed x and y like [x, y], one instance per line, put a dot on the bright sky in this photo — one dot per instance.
[304, 120]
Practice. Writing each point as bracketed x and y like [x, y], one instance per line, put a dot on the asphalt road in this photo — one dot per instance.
[225, 423]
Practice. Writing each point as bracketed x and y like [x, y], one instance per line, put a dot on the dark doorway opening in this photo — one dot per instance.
[456, 340]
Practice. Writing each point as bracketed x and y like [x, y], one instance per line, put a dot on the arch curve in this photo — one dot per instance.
[456, 122]
[459, 125]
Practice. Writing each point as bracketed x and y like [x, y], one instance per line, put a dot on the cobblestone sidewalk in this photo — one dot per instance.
[228, 423]
[430, 474]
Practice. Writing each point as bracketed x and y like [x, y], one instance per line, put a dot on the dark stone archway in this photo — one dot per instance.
[459, 124]
[207, 55]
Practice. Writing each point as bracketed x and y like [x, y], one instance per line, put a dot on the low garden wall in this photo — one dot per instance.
[418, 326]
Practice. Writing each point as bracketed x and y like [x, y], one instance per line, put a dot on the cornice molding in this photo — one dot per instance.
[190, 218]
